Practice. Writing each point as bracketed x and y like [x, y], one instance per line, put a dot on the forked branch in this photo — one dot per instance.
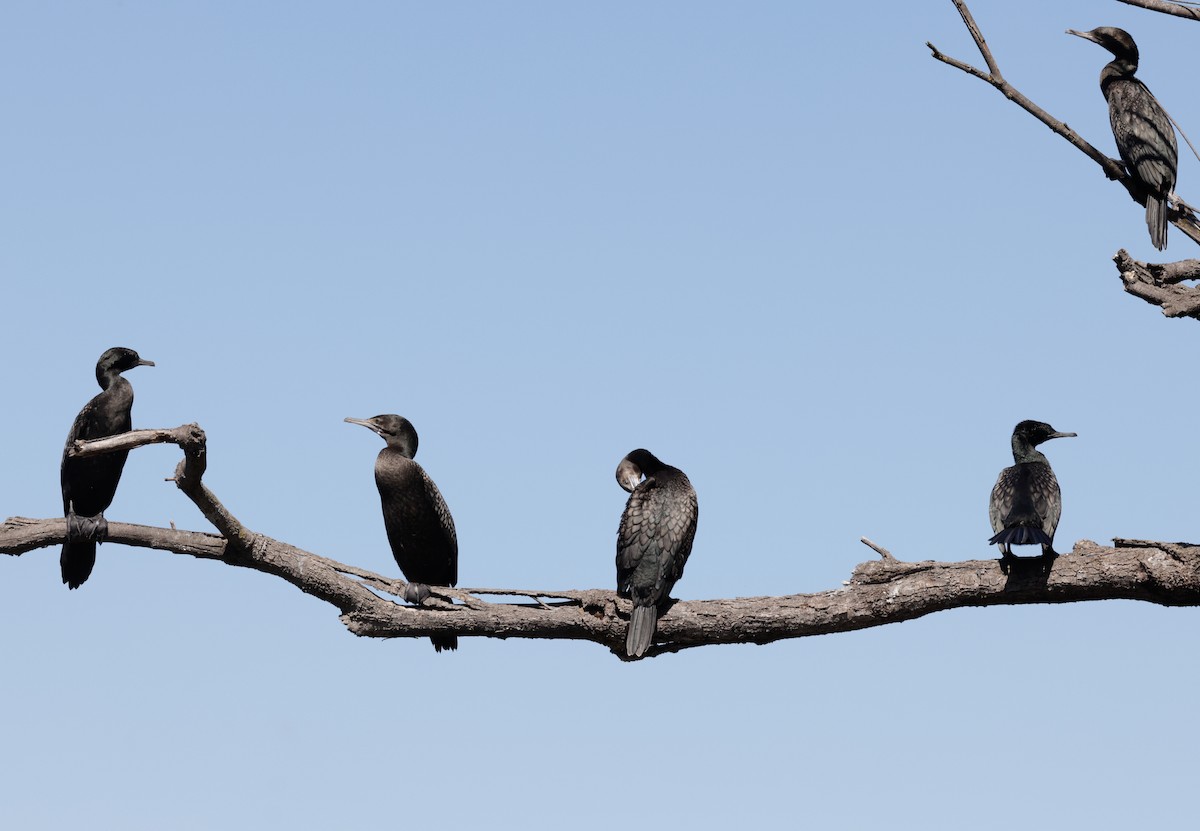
[1179, 214]
[1159, 284]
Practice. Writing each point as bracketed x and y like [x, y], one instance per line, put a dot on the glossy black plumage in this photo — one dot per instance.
[1143, 132]
[419, 527]
[89, 485]
[1026, 501]
[654, 540]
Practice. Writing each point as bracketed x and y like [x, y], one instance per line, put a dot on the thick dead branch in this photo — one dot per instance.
[879, 592]
[1159, 284]
[1179, 215]
[1177, 9]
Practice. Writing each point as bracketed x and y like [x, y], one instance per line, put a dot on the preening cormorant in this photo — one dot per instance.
[1026, 502]
[654, 540]
[419, 526]
[89, 485]
[1145, 137]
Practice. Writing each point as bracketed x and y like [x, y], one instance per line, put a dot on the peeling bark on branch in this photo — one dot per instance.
[1166, 7]
[1159, 284]
[879, 592]
[1179, 214]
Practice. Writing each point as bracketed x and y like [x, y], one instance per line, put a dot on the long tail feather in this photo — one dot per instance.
[76, 561]
[441, 642]
[1022, 535]
[1156, 220]
[641, 630]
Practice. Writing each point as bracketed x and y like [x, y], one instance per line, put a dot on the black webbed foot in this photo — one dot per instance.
[86, 528]
[75, 530]
[1007, 559]
[1049, 555]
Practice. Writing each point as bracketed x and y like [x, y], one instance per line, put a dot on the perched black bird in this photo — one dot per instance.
[653, 541]
[89, 485]
[1026, 502]
[1145, 138]
[419, 526]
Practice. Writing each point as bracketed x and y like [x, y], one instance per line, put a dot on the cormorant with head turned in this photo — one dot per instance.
[418, 523]
[1026, 501]
[654, 540]
[89, 485]
[1145, 137]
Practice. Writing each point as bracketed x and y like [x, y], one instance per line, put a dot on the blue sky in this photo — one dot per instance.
[779, 246]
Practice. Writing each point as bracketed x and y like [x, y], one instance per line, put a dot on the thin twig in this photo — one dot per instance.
[977, 36]
[879, 549]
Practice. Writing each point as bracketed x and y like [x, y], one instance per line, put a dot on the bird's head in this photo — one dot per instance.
[115, 361]
[634, 466]
[396, 430]
[1113, 39]
[1033, 433]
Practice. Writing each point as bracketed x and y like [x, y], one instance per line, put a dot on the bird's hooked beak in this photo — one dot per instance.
[1062, 436]
[365, 422]
[1084, 35]
[629, 476]
[144, 362]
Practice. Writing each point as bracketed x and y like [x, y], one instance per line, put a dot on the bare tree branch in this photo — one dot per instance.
[1177, 9]
[879, 592]
[1158, 284]
[977, 36]
[191, 440]
[1178, 214]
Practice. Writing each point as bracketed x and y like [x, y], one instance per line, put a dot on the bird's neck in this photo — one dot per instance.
[1023, 451]
[109, 379]
[399, 447]
[1120, 69]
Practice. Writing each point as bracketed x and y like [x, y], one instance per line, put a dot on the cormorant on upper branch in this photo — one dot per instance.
[1145, 137]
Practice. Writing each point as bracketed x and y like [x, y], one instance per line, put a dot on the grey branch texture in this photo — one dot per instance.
[1160, 284]
[1178, 301]
[878, 592]
[1166, 7]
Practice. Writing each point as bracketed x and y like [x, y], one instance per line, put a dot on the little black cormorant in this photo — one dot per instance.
[1145, 137]
[1026, 502]
[654, 540]
[418, 523]
[89, 485]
